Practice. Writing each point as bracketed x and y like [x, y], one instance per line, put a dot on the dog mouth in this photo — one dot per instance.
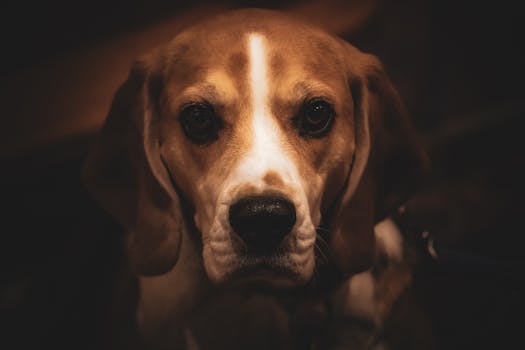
[264, 273]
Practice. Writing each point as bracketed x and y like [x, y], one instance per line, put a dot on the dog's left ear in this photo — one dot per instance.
[388, 161]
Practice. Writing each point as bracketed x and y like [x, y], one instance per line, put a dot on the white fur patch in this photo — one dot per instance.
[360, 296]
[258, 75]
[266, 151]
[359, 293]
[389, 239]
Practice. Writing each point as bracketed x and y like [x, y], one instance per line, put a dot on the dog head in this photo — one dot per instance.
[255, 129]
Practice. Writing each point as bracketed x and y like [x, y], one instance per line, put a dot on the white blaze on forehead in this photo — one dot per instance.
[258, 76]
[266, 150]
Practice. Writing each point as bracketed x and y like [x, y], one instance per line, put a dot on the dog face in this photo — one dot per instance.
[264, 127]
[259, 127]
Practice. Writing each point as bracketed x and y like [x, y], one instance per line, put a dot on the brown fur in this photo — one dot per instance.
[144, 166]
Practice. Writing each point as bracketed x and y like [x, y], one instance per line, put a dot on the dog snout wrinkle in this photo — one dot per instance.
[262, 221]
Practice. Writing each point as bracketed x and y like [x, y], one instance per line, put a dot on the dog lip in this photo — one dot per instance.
[263, 274]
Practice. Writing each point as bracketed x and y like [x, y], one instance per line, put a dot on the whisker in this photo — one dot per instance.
[316, 273]
[323, 229]
[322, 254]
[321, 240]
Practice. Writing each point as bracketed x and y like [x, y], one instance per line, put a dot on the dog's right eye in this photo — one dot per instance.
[200, 123]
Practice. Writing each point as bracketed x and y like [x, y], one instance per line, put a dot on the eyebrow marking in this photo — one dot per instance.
[217, 85]
[224, 85]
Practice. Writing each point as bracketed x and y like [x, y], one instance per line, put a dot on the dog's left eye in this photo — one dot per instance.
[315, 118]
[200, 123]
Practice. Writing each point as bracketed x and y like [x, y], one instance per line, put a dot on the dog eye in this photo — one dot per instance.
[315, 118]
[200, 123]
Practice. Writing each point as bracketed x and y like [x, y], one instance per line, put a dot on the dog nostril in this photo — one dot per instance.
[262, 221]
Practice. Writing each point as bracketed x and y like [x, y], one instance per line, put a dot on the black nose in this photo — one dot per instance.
[262, 221]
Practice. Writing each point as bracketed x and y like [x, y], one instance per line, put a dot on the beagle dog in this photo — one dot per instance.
[247, 162]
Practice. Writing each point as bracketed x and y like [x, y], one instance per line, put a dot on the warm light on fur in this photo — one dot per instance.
[257, 69]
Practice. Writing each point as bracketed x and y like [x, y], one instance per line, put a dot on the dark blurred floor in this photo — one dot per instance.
[458, 65]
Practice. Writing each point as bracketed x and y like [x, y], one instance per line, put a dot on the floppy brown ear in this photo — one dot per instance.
[125, 174]
[388, 161]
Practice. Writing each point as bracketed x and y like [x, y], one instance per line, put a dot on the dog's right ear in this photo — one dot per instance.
[125, 174]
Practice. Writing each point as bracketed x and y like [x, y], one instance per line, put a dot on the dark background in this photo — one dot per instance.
[459, 66]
